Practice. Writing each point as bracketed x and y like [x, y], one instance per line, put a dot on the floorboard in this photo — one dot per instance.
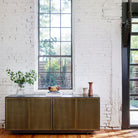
[131, 133]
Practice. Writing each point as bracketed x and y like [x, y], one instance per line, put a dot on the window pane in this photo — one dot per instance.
[133, 86]
[44, 48]
[134, 102]
[55, 64]
[44, 6]
[54, 79]
[134, 27]
[66, 20]
[133, 72]
[44, 34]
[66, 64]
[44, 80]
[44, 64]
[134, 57]
[66, 48]
[66, 6]
[55, 20]
[134, 20]
[55, 33]
[55, 6]
[134, 42]
[133, 118]
[44, 20]
[55, 48]
[66, 80]
[65, 34]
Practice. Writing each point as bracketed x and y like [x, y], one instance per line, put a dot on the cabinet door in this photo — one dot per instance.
[40, 114]
[64, 113]
[88, 113]
[16, 114]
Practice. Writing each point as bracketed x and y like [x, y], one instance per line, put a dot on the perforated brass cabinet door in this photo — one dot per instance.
[40, 114]
[16, 114]
[88, 113]
[64, 113]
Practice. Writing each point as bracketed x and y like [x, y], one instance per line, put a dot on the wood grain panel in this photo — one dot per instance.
[16, 114]
[88, 113]
[40, 114]
[64, 113]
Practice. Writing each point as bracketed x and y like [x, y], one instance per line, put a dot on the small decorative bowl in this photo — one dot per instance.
[54, 88]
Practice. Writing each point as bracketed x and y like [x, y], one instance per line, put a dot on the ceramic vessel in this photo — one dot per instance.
[85, 91]
[90, 89]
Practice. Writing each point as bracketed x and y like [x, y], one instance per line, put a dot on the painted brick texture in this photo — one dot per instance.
[96, 50]
[16, 43]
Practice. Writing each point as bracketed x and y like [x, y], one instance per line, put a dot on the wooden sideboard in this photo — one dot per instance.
[38, 113]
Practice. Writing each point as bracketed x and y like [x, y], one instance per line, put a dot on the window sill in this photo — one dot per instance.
[62, 91]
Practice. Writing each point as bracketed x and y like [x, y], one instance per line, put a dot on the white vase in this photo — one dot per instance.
[85, 91]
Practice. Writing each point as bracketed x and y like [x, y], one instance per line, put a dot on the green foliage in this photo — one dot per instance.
[21, 78]
[44, 6]
[134, 103]
[52, 77]
[134, 42]
[47, 47]
[66, 4]
[63, 76]
[54, 66]
[134, 28]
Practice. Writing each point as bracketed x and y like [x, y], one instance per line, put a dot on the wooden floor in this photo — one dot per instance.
[96, 134]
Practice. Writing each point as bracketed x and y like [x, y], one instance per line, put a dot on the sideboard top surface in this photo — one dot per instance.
[45, 96]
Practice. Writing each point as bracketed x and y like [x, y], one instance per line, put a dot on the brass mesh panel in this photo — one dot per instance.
[16, 114]
[63, 113]
[88, 113]
[40, 113]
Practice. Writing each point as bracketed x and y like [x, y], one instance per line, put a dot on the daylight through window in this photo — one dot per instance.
[55, 44]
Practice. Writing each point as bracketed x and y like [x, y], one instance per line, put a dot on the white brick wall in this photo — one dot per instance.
[96, 50]
[16, 43]
[97, 44]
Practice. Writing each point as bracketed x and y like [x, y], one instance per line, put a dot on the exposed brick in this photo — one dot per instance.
[96, 31]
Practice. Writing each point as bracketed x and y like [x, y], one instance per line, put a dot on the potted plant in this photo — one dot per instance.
[22, 78]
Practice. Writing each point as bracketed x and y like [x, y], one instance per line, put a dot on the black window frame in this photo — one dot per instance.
[60, 56]
[126, 64]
